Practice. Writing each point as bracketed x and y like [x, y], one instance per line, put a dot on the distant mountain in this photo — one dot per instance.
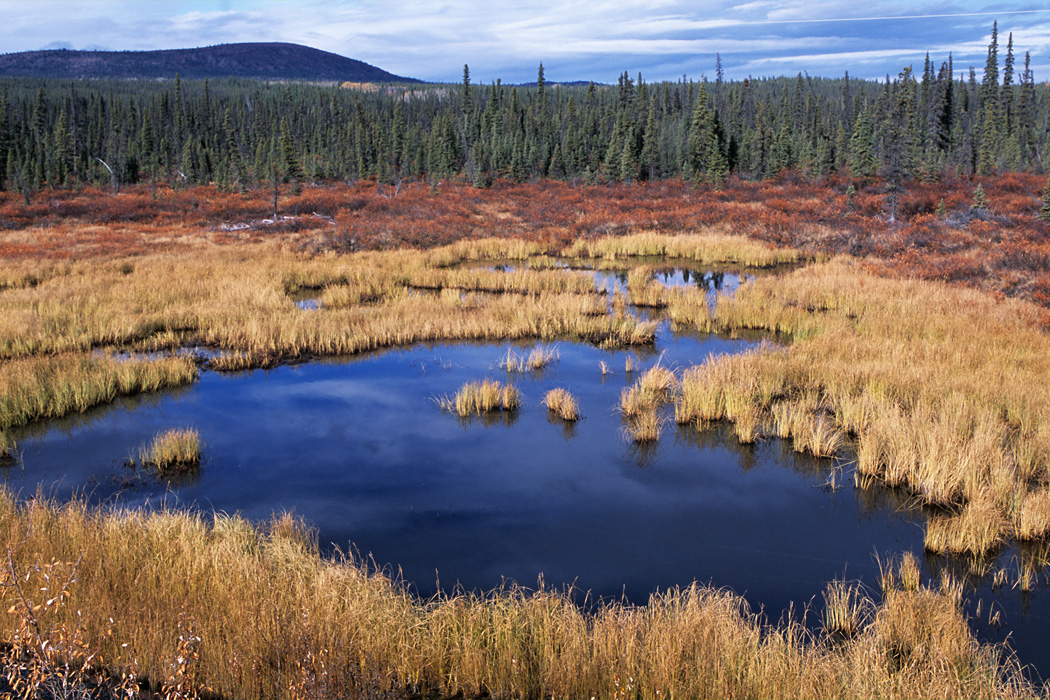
[273, 61]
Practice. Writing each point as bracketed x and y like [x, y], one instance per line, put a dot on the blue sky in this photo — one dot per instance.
[662, 39]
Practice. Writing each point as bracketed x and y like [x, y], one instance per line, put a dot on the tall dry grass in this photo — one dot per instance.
[946, 391]
[256, 612]
[707, 248]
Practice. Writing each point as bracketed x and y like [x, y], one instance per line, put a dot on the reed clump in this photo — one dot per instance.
[175, 450]
[643, 290]
[978, 529]
[536, 360]
[276, 618]
[239, 361]
[845, 610]
[644, 426]
[562, 404]
[1034, 520]
[478, 398]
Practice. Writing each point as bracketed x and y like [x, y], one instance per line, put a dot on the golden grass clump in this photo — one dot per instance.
[238, 362]
[910, 572]
[478, 398]
[977, 530]
[845, 609]
[645, 396]
[644, 426]
[561, 403]
[1034, 520]
[643, 290]
[818, 436]
[175, 450]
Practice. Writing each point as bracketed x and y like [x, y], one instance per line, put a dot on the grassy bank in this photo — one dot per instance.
[945, 391]
[193, 600]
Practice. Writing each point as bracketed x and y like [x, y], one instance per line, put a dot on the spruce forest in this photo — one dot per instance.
[244, 134]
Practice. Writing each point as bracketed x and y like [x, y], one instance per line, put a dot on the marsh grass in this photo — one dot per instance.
[49, 387]
[175, 450]
[643, 290]
[978, 529]
[709, 248]
[537, 360]
[255, 611]
[478, 398]
[561, 403]
[1034, 520]
[239, 362]
[645, 426]
[845, 610]
[944, 391]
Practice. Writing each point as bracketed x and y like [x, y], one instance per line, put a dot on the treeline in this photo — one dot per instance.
[243, 134]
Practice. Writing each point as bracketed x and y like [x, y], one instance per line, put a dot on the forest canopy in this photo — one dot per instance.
[241, 134]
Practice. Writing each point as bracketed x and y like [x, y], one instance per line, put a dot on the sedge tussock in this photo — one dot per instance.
[175, 450]
[238, 362]
[643, 290]
[977, 530]
[747, 424]
[817, 436]
[1034, 520]
[644, 426]
[560, 402]
[48, 387]
[845, 607]
[478, 398]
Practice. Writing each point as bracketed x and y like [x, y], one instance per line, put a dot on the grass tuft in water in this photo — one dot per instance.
[561, 402]
[176, 450]
[536, 361]
[845, 607]
[644, 427]
[478, 398]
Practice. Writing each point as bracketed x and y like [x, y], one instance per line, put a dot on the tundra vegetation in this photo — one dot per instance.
[938, 390]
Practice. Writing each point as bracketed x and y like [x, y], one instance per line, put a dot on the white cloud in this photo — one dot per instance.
[432, 40]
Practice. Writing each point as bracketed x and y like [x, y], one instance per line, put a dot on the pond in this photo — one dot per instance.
[360, 448]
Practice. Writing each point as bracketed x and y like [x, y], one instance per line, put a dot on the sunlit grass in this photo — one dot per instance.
[175, 450]
[269, 616]
[561, 403]
[477, 398]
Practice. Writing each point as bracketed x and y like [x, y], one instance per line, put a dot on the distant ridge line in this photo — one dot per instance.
[262, 60]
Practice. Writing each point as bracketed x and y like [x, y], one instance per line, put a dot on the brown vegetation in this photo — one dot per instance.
[1006, 250]
[180, 601]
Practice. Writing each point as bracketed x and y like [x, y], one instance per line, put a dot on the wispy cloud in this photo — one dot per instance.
[576, 40]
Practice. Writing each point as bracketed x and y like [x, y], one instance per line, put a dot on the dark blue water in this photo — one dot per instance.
[361, 450]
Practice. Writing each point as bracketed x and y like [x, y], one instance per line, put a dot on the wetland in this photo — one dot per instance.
[319, 393]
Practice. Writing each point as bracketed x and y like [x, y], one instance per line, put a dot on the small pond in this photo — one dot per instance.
[361, 450]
